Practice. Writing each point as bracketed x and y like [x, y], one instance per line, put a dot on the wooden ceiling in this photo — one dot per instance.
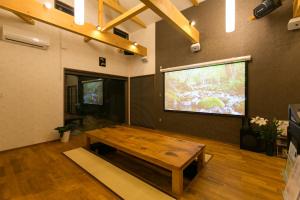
[195, 2]
[26, 19]
[114, 5]
[166, 10]
[30, 10]
[124, 17]
[296, 8]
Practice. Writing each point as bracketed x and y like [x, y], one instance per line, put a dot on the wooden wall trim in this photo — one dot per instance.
[141, 76]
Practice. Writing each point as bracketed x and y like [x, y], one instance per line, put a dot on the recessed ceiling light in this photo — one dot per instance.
[47, 5]
[135, 43]
[98, 28]
[193, 23]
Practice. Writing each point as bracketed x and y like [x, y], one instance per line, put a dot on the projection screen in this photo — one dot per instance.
[218, 89]
[93, 92]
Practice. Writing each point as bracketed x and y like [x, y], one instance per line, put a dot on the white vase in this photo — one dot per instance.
[66, 137]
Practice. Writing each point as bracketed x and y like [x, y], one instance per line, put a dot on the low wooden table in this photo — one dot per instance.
[168, 152]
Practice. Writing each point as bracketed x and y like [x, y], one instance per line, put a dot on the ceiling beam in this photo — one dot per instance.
[115, 5]
[25, 19]
[120, 9]
[35, 10]
[168, 11]
[125, 16]
[100, 13]
[195, 2]
[296, 9]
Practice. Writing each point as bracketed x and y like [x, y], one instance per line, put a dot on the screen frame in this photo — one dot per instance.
[206, 113]
[92, 81]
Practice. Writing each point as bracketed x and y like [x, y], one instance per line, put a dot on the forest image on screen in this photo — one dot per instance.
[93, 92]
[218, 89]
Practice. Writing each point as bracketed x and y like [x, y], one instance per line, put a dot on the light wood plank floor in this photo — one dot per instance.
[41, 172]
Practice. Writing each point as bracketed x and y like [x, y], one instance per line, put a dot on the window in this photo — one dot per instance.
[64, 7]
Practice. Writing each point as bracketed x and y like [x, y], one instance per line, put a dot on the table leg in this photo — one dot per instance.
[201, 160]
[177, 181]
[87, 142]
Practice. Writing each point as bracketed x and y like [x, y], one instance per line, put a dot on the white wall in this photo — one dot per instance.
[31, 80]
[145, 37]
[77, 54]
[31, 88]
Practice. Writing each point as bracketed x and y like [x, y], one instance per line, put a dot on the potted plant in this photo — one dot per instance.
[268, 132]
[249, 139]
[64, 132]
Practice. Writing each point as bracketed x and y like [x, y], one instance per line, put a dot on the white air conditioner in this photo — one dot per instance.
[21, 37]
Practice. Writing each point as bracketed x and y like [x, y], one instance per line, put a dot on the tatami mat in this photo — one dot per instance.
[122, 183]
[207, 158]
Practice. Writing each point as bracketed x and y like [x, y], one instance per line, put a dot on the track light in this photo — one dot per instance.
[47, 5]
[79, 12]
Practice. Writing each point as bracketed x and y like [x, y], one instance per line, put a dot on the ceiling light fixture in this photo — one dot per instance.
[79, 12]
[193, 23]
[98, 28]
[47, 5]
[230, 16]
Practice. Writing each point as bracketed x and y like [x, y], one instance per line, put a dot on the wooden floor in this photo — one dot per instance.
[42, 172]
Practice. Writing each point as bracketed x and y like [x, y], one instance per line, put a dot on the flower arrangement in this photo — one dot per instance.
[259, 121]
[268, 130]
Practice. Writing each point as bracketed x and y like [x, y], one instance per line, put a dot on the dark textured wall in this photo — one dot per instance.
[274, 73]
[142, 101]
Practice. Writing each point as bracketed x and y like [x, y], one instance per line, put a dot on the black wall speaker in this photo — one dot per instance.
[250, 141]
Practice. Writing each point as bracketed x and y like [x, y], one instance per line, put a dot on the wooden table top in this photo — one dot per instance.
[165, 151]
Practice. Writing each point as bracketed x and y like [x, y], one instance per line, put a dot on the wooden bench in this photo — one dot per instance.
[168, 152]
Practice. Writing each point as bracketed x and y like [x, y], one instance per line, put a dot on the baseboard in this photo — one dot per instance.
[30, 145]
